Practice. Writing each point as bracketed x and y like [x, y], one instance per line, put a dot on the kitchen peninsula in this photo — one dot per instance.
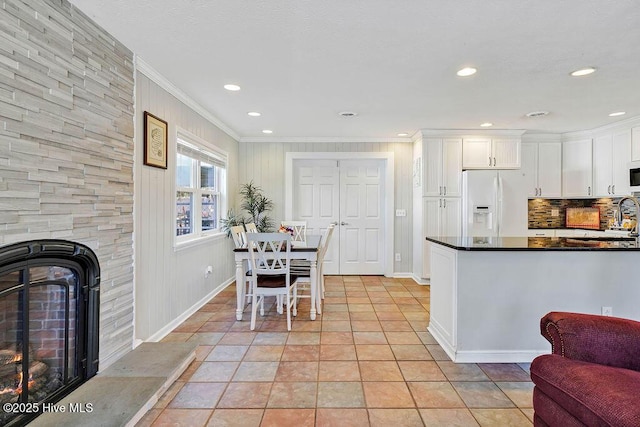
[488, 294]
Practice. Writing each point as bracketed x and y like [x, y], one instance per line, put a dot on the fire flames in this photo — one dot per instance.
[19, 377]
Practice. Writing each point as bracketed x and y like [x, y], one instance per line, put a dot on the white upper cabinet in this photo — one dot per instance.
[635, 144]
[506, 153]
[602, 165]
[611, 157]
[621, 156]
[550, 169]
[491, 153]
[577, 162]
[477, 154]
[542, 168]
[442, 168]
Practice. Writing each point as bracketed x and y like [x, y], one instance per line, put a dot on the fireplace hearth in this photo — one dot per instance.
[49, 311]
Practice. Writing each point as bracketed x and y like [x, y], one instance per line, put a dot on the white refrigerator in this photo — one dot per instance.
[494, 203]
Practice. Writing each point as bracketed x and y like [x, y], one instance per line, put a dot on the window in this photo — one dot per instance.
[200, 188]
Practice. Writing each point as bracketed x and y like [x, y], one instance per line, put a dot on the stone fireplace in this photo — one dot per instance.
[49, 312]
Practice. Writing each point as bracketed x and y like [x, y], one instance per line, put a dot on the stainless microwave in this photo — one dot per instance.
[634, 176]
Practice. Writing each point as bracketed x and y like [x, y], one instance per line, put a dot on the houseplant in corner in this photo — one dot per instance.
[255, 204]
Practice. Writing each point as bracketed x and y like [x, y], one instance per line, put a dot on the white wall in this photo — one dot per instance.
[169, 282]
[264, 163]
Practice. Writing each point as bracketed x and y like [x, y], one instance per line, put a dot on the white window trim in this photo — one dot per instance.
[187, 241]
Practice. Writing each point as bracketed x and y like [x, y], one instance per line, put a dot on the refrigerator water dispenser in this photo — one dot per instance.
[482, 217]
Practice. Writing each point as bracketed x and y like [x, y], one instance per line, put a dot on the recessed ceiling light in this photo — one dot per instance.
[486, 124]
[466, 72]
[583, 71]
[403, 134]
[232, 88]
[267, 131]
[254, 114]
[618, 113]
[348, 114]
[537, 113]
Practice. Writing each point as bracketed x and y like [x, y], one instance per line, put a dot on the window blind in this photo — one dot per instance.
[216, 159]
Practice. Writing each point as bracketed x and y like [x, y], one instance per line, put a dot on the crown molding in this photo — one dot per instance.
[328, 139]
[541, 137]
[469, 132]
[611, 127]
[146, 69]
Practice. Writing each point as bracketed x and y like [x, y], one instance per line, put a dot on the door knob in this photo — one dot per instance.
[344, 223]
[334, 223]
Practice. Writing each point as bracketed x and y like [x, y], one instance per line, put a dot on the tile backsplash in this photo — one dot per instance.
[541, 211]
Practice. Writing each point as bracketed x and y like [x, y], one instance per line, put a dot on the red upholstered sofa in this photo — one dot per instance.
[592, 377]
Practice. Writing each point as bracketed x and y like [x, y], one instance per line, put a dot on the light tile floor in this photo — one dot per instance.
[368, 360]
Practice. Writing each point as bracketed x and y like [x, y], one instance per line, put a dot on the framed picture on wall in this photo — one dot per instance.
[155, 141]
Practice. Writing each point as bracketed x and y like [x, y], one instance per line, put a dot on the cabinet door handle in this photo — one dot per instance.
[589, 190]
[613, 189]
[539, 191]
[494, 161]
[489, 160]
[440, 203]
[445, 190]
[440, 190]
[444, 203]
[609, 189]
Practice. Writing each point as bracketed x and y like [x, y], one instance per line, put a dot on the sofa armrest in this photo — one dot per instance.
[604, 340]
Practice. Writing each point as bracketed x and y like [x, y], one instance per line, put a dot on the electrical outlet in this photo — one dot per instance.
[607, 311]
[209, 271]
[398, 257]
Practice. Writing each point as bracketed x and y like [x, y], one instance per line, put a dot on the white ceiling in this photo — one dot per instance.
[301, 62]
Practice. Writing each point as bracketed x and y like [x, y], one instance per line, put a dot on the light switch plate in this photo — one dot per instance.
[401, 212]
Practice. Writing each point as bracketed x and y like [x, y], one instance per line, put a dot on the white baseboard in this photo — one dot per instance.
[184, 316]
[438, 334]
[420, 280]
[483, 356]
[498, 356]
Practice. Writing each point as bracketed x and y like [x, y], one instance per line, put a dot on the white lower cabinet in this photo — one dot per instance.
[442, 216]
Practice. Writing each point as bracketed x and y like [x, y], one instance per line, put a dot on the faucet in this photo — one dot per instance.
[634, 231]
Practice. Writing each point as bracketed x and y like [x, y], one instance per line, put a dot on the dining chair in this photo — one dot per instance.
[303, 271]
[238, 235]
[240, 241]
[270, 256]
[251, 227]
[299, 229]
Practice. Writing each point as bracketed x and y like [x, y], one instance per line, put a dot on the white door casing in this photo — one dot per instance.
[385, 193]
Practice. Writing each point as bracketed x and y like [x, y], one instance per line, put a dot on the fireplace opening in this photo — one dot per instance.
[49, 311]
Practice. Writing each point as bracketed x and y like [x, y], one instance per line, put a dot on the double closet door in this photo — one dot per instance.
[349, 194]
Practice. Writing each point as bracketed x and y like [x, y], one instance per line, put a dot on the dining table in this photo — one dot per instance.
[300, 250]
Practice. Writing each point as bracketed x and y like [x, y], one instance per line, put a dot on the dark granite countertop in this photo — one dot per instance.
[536, 243]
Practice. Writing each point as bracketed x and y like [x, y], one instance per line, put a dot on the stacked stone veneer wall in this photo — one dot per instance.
[66, 146]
